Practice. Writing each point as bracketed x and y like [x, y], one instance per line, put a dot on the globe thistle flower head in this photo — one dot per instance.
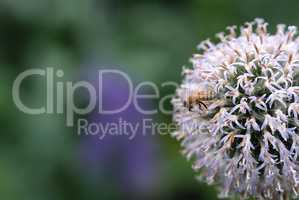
[237, 111]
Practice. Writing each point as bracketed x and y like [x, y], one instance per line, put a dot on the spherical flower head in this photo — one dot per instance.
[237, 112]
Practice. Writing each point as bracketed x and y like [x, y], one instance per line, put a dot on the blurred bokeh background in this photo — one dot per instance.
[40, 158]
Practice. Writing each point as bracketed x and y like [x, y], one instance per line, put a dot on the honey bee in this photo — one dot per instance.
[200, 98]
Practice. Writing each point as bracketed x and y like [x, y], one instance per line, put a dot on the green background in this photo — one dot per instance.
[148, 39]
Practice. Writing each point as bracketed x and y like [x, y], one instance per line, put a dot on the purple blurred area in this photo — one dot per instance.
[129, 164]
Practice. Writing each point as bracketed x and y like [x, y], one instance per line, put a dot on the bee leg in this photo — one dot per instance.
[190, 108]
[203, 104]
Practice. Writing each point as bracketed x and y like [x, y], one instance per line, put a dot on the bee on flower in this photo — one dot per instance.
[237, 112]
